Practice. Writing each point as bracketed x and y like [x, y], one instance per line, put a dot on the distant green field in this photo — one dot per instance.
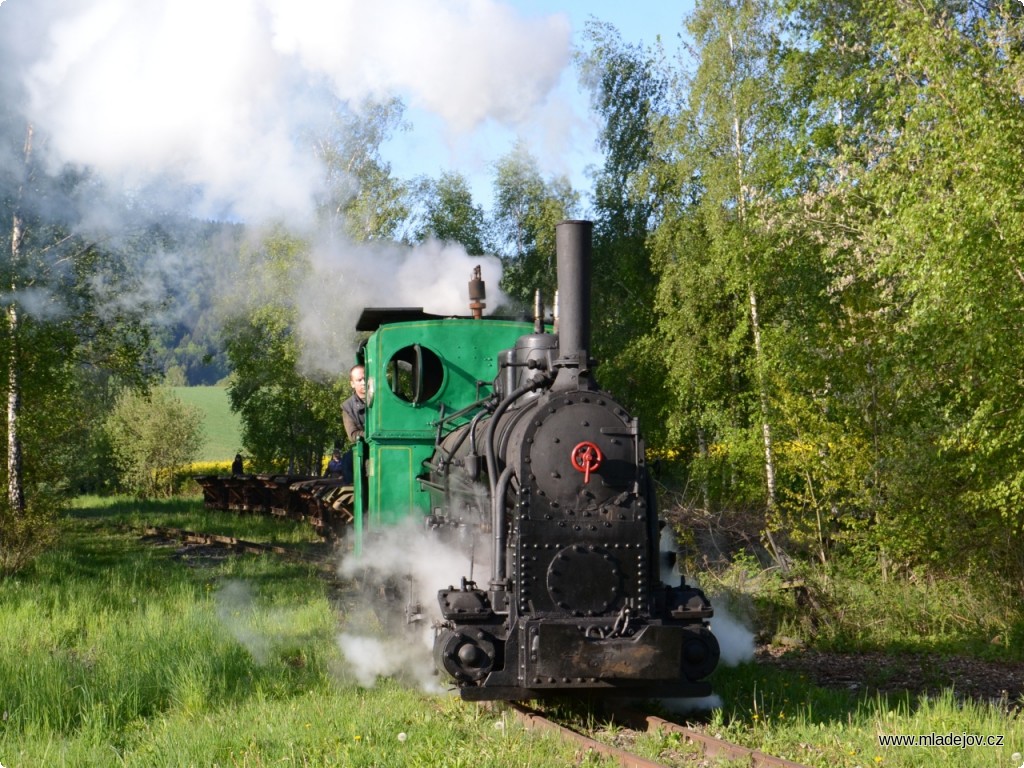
[223, 428]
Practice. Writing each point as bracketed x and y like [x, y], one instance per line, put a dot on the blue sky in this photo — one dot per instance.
[427, 149]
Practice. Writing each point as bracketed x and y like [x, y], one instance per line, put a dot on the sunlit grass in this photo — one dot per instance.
[785, 715]
[117, 652]
[222, 429]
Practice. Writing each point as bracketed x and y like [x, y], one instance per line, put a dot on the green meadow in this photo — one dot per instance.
[223, 429]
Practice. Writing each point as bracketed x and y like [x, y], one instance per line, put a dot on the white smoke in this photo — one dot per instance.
[223, 97]
[734, 637]
[399, 572]
[736, 641]
[212, 109]
[236, 606]
[344, 279]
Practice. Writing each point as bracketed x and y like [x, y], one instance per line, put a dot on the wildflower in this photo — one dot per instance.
[402, 737]
[358, 737]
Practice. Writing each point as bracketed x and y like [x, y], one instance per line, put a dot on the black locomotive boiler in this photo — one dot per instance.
[575, 601]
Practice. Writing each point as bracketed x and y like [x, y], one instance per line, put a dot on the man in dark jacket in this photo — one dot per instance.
[353, 414]
[353, 410]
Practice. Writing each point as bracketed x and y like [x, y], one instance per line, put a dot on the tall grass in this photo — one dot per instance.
[188, 513]
[784, 715]
[116, 652]
[851, 608]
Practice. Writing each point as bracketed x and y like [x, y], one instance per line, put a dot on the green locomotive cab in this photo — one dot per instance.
[426, 375]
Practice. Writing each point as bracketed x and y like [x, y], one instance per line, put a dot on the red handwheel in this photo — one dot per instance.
[586, 457]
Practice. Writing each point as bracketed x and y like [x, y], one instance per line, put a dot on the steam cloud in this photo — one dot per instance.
[211, 109]
[403, 566]
[433, 275]
[734, 637]
[222, 96]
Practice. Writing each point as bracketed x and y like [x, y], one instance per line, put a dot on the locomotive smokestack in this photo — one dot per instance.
[573, 241]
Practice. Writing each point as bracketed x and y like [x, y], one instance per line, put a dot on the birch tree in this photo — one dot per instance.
[15, 492]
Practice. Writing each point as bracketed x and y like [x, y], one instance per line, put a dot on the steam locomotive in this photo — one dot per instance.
[574, 601]
[497, 427]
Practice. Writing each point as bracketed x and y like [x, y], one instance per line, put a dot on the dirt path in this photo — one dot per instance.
[991, 681]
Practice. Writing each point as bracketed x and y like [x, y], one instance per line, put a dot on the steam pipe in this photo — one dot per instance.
[498, 571]
[477, 294]
[495, 483]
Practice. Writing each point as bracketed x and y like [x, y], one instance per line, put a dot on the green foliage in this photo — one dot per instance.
[818, 224]
[75, 315]
[27, 534]
[526, 210]
[628, 91]
[151, 435]
[363, 197]
[450, 215]
[918, 209]
[289, 420]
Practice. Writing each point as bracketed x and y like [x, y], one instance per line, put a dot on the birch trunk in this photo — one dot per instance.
[15, 489]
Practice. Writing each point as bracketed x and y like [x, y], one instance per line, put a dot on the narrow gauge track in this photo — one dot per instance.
[709, 746]
[228, 542]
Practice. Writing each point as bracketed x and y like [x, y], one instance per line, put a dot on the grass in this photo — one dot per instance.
[852, 608]
[222, 427]
[786, 716]
[117, 652]
[188, 512]
[114, 651]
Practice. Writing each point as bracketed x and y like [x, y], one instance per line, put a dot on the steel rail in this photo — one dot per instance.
[535, 721]
[230, 542]
[709, 745]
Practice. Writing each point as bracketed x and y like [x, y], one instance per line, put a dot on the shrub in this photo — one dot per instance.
[151, 437]
[24, 536]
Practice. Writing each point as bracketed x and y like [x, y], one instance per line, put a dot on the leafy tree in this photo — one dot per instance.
[629, 87]
[450, 215]
[526, 210]
[152, 435]
[363, 196]
[921, 212]
[67, 327]
[289, 420]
